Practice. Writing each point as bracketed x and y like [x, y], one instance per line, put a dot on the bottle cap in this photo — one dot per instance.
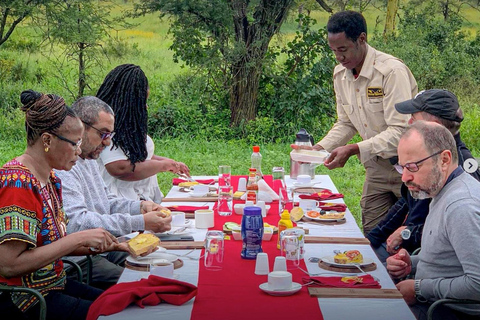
[285, 215]
[252, 170]
[252, 211]
[256, 149]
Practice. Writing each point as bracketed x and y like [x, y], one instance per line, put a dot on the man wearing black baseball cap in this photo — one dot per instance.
[403, 225]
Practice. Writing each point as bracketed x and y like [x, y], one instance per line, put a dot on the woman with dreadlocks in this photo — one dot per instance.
[33, 236]
[130, 166]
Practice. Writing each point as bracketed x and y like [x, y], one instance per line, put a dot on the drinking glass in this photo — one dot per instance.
[225, 200]
[214, 248]
[285, 200]
[292, 246]
[224, 175]
[278, 174]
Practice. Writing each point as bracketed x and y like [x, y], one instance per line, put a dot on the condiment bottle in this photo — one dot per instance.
[257, 161]
[252, 232]
[252, 186]
[284, 223]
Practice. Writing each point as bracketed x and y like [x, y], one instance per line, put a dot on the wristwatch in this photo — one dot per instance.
[406, 233]
[418, 295]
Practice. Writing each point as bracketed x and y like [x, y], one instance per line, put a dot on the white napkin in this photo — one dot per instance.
[265, 193]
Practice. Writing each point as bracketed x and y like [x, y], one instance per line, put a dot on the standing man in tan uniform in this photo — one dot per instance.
[367, 85]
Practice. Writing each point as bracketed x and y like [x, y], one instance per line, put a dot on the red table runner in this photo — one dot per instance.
[234, 294]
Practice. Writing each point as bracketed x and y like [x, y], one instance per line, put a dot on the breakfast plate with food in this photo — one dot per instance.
[347, 259]
[323, 215]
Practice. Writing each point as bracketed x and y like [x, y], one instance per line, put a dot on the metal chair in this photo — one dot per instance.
[440, 302]
[41, 300]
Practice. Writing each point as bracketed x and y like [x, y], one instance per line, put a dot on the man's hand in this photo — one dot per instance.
[407, 289]
[399, 265]
[395, 240]
[98, 240]
[147, 206]
[339, 156]
[157, 222]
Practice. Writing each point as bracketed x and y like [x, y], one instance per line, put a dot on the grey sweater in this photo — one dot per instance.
[89, 204]
[449, 262]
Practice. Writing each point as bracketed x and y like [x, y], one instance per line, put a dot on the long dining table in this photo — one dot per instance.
[234, 293]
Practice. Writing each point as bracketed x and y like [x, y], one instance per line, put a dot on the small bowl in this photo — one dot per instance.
[267, 233]
[237, 235]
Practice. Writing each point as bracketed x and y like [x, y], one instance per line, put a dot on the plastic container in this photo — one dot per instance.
[310, 156]
[252, 232]
[257, 161]
[284, 223]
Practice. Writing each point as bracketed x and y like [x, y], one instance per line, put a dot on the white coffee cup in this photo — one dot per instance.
[178, 219]
[308, 204]
[200, 190]
[279, 280]
[304, 179]
[204, 219]
[161, 268]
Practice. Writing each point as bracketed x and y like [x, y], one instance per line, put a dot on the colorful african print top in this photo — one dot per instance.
[33, 214]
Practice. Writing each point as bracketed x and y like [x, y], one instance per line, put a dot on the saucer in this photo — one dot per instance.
[304, 185]
[294, 289]
[187, 223]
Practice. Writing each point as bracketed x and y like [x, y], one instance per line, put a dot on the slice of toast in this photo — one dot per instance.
[143, 243]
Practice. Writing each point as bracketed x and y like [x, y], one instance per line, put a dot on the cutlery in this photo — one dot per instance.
[179, 230]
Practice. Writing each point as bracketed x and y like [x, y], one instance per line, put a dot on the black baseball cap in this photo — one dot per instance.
[439, 102]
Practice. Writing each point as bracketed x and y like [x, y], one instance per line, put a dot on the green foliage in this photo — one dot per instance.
[438, 52]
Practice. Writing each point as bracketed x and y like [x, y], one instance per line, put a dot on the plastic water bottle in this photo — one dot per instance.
[252, 232]
[257, 161]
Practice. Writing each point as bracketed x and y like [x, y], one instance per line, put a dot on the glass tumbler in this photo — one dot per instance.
[225, 200]
[214, 248]
[224, 176]
[292, 246]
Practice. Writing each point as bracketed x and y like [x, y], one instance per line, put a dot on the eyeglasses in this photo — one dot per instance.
[75, 145]
[104, 135]
[413, 166]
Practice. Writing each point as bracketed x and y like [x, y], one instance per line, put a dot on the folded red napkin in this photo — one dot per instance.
[146, 292]
[187, 209]
[176, 181]
[366, 281]
[325, 194]
[340, 207]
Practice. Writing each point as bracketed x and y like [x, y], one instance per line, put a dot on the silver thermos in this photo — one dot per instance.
[303, 138]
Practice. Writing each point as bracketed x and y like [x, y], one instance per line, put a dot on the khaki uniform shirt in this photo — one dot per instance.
[367, 105]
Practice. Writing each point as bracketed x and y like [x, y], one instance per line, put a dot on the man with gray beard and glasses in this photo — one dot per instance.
[447, 266]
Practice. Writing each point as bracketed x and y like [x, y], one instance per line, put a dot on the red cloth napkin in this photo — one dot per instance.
[366, 281]
[146, 292]
[325, 194]
[340, 207]
[187, 209]
[176, 181]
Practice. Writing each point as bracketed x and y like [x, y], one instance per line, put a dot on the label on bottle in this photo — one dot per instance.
[251, 196]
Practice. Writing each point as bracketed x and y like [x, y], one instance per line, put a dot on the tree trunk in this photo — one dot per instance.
[254, 37]
[392, 8]
[82, 82]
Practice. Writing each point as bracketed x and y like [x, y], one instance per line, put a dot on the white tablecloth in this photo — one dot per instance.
[331, 308]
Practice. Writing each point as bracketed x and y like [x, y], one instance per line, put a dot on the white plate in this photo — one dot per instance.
[304, 185]
[324, 219]
[331, 261]
[295, 288]
[152, 257]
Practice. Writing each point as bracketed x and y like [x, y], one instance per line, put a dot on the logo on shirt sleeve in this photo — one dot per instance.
[374, 92]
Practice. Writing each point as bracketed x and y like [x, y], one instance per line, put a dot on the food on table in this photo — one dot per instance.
[166, 211]
[238, 194]
[296, 214]
[313, 214]
[331, 215]
[143, 243]
[187, 184]
[266, 225]
[231, 226]
[347, 257]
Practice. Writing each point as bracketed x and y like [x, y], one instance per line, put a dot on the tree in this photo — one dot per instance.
[228, 38]
[392, 8]
[12, 13]
[78, 27]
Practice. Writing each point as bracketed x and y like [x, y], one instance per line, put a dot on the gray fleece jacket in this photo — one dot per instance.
[449, 262]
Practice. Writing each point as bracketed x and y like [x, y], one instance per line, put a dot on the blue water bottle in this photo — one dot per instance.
[252, 232]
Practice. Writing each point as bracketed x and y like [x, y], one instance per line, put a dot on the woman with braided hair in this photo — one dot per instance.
[33, 236]
[130, 166]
